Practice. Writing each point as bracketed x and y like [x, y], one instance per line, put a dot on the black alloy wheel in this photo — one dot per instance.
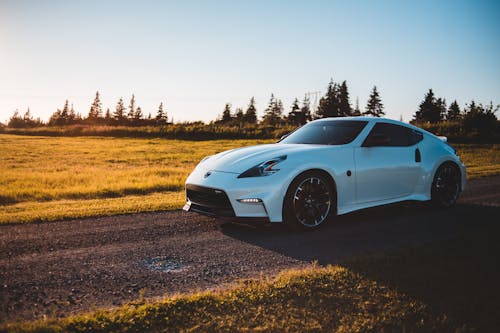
[309, 201]
[446, 186]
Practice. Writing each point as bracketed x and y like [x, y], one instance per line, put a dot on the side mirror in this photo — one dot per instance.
[378, 139]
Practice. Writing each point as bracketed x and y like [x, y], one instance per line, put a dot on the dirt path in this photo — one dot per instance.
[66, 267]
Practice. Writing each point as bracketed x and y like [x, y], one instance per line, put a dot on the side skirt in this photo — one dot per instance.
[352, 208]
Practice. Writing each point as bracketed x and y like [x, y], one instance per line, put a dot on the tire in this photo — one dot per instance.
[446, 186]
[309, 201]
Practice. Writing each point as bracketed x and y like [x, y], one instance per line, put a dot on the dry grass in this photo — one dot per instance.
[51, 178]
[46, 169]
[481, 159]
[47, 178]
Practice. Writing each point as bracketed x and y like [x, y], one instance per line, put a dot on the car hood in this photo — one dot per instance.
[241, 159]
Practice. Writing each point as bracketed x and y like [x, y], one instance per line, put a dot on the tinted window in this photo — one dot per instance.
[415, 136]
[334, 132]
[399, 136]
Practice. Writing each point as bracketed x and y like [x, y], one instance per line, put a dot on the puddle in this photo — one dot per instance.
[162, 264]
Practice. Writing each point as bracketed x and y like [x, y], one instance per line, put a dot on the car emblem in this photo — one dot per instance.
[207, 174]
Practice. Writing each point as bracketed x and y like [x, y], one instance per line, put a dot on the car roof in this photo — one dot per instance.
[377, 120]
[361, 118]
[368, 119]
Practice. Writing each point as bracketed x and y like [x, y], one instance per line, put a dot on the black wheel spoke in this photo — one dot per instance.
[446, 187]
[311, 201]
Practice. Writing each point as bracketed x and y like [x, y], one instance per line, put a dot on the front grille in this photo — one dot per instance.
[209, 201]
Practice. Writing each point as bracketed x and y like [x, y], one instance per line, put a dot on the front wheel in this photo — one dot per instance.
[309, 201]
[445, 186]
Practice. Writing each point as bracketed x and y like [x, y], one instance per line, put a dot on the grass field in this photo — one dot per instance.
[448, 286]
[51, 178]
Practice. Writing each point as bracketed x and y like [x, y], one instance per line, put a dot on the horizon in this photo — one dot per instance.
[196, 56]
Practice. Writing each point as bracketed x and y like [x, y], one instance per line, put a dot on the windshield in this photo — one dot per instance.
[334, 132]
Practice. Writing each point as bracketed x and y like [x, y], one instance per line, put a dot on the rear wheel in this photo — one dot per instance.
[445, 186]
[309, 201]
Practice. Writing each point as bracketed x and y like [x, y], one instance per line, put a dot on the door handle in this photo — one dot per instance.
[418, 156]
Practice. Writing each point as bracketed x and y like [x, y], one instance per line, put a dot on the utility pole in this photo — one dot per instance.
[315, 95]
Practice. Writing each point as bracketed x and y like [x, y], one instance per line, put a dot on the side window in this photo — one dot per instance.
[415, 136]
[388, 135]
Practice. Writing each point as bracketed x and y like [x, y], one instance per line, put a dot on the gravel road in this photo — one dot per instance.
[59, 268]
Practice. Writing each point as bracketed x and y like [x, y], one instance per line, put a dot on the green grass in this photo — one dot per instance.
[449, 286]
[52, 178]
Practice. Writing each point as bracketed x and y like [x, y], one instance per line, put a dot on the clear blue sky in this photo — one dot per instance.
[197, 55]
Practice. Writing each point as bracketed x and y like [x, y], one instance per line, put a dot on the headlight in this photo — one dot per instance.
[263, 169]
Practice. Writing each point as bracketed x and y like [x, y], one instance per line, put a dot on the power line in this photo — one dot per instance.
[316, 97]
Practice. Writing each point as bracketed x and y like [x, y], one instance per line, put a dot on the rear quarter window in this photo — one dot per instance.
[415, 136]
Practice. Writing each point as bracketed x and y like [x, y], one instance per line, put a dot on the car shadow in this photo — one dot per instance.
[368, 231]
[447, 259]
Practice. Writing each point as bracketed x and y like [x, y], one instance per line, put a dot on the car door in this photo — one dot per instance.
[387, 163]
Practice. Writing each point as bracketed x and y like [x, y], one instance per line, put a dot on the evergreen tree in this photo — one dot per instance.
[27, 115]
[131, 108]
[238, 116]
[345, 109]
[226, 114]
[294, 114]
[250, 115]
[72, 117]
[65, 112]
[329, 105]
[429, 110]
[56, 119]
[138, 114]
[161, 115]
[453, 112]
[96, 108]
[273, 112]
[107, 115]
[374, 107]
[119, 113]
[278, 111]
[298, 116]
[356, 112]
[18, 121]
[441, 108]
[481, 120]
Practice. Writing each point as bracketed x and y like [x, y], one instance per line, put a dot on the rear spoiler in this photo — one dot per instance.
[443, 138]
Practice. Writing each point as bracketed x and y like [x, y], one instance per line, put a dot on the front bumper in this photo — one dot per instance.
[208, 201]
[218, 194]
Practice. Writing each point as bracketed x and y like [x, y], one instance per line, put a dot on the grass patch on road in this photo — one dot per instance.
[450, 286]
[52, 178]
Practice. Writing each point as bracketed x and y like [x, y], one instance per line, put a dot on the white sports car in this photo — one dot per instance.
[327, 167]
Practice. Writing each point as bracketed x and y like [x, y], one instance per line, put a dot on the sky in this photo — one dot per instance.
[195, 56]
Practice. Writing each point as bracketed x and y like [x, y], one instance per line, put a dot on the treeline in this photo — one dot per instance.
[473, 122]
[335, 103]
